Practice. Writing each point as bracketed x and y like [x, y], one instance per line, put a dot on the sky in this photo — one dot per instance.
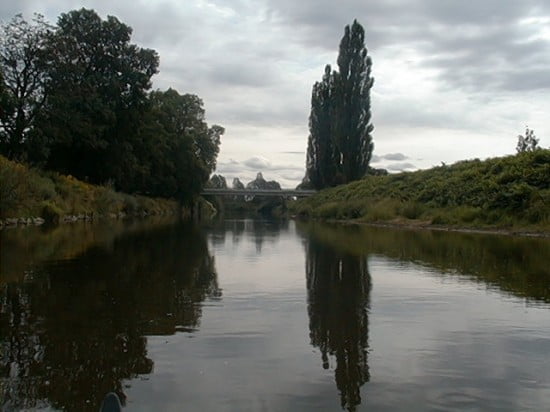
[454, 79]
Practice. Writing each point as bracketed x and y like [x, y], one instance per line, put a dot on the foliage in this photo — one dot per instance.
[237, 184]
[527, 143]
[22, 81]
[28, 192]
[513, 190]
[108, 78]
[179, 150]
[217, 182]
[340, 142]
[75, 100]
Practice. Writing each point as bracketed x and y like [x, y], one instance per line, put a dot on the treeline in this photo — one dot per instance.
[512, 191]
[75, 98]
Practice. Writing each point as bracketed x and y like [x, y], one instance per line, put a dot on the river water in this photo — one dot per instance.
[252, 315]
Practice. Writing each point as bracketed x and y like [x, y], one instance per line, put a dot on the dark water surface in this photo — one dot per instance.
[253, 315]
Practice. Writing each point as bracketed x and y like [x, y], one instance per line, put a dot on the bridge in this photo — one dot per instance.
[258, 192]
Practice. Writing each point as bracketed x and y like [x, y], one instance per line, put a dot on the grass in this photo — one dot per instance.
[509, 192]
[28, 192]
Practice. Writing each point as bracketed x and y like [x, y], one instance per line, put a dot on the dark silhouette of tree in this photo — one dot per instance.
[340, 143]
[97, 94]
[322, 162]
[22, 81]
[217, 182]
[338, 285]
[179, 149]
[75, 99]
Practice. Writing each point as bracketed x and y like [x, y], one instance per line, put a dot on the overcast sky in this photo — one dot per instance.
[454, 79]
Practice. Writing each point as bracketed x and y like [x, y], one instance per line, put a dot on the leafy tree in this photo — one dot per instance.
[527, 143]
[180, 150]
[97, 95]
[340, 143]
[217, 182]
[237, 184]
[75, 100]
[22, 81]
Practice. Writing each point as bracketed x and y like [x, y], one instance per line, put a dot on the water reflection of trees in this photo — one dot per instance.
[338, 285]
[74, 330]
[258, 230]
[516, 265]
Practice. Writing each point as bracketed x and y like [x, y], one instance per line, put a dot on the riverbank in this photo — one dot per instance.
[428, 226]
[508, 195]
[30, 196]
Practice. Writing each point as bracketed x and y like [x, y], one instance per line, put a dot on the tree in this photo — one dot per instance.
[340, 143]
[97, 94]
[179, 150]
[322, 156]
[353, 114]
[527, 143]
[217, 182]
[22, 81]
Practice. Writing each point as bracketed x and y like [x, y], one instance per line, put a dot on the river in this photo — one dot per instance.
[262, 315]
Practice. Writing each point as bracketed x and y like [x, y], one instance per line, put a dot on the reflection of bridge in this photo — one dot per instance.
[258, 192]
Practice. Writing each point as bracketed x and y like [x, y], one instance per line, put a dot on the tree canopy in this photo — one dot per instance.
[22, 81]
[340, 143]
[76, 99]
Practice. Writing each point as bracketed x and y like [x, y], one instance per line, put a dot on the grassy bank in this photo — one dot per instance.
[27, 192]
[511, 192]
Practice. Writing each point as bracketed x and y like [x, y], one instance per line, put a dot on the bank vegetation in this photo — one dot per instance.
[29, 193]
[510, 192]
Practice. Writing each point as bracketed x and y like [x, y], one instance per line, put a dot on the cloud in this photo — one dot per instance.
[400, 167]
[466, 42]
[257, 163]
[287, 174]
[395, 156]
[478, 70]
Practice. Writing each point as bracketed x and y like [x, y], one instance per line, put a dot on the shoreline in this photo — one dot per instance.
[422, 225]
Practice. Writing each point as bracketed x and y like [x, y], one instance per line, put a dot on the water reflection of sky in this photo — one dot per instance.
[441, 341]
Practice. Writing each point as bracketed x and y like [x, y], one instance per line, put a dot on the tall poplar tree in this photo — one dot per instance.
[322, 156]
[353, 83]
[340, 142]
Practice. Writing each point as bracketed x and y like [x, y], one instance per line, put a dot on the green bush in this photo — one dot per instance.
[468, 214]
[50, 212]
[412, 210]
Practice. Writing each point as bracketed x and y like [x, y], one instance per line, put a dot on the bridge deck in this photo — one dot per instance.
[258, 192]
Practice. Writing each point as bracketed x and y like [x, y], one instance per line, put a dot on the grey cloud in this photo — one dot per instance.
[258, 163]
[295, 176]
[286, 175]
[255, 163]
[239, 74]
[400, 167]
[477, 45]
[395, 156]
